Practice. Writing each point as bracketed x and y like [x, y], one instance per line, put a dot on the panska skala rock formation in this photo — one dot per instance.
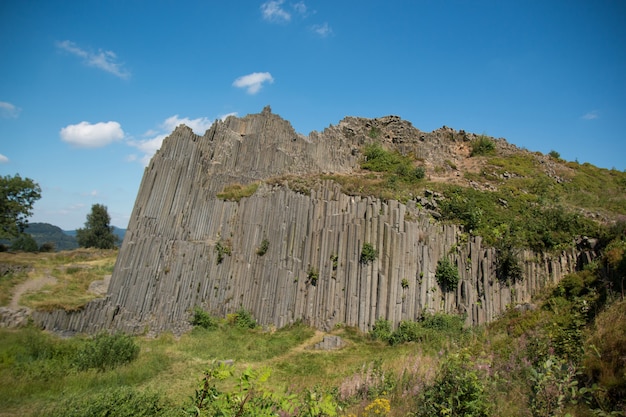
[289, 255]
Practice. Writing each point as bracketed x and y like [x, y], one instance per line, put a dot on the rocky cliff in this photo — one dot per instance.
[289, 254]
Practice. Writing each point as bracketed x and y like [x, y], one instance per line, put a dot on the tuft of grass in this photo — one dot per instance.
[235, 192]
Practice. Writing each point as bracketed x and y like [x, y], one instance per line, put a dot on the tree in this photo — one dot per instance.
[17, 196]
[24, 242]
[97, 233]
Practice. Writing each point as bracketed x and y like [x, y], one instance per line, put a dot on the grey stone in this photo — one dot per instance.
[167, 264]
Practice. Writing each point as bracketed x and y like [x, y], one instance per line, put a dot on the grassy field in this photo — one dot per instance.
[564, 356]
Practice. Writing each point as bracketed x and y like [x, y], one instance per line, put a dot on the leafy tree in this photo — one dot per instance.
[17, 196]
[97, 232]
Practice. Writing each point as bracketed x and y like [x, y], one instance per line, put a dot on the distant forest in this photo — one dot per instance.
[62, 239]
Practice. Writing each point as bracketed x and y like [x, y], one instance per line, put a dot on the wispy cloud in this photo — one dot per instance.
[87, 135]
[323, 30]
[272, 11]
[104, 60]
[154, 137]
[8, 110]
[300, 8]
[276, 11]
[253, 82]
[592, 115]
[3, 159]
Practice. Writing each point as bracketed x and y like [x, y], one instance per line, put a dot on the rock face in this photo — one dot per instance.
[186, 247]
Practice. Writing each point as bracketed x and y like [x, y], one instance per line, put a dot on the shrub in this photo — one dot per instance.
[47, 247]
[244, 319]
[555, 155]
[262, 249]
[381, 330]
[368, 253]
[508, 266]
[106, 351]
[313, 276]
[222, 249]
[391, 162]
[447, 275]
[483, 146]
[25, 243]
[433, 329]
[458, 390]
[203, 319]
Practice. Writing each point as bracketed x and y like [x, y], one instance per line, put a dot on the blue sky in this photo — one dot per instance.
[88, 89]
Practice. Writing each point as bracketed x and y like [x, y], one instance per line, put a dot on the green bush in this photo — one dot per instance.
[433, 329]
[262, 249]
[555, 155]
[203, 319]
[378, 159]
[508, 265]
[222, 248]
[447, 275]
[368, 253]
[25, 243]
[244, 319]
[458, 390]
[483, 146]
[106, 351]
[381, 330]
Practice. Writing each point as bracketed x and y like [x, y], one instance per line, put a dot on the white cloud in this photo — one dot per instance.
[227, 115]
[3, 159]
[274, 12]
[104, 60]
[253, 82]
[8, 110]
[199, 125]
[148, 147]
[592, 115]
[87, 135]
[322, 30]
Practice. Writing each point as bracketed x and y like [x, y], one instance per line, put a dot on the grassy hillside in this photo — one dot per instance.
[509, 196]
[564, 354]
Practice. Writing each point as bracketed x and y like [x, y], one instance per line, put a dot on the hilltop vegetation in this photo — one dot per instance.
[509, 196]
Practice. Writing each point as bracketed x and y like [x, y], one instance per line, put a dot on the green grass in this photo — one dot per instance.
[74, 271]
[235, 192]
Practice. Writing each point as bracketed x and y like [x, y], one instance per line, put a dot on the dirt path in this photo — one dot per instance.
[33, 284]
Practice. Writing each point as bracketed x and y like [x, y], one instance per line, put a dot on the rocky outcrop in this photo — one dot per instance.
[186, 247]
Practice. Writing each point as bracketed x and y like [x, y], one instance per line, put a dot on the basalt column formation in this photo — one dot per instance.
[286, 254]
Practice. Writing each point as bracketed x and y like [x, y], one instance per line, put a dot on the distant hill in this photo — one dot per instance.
[62, 239]
[45, 232]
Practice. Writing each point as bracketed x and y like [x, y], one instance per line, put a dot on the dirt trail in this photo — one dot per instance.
[33, 284]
